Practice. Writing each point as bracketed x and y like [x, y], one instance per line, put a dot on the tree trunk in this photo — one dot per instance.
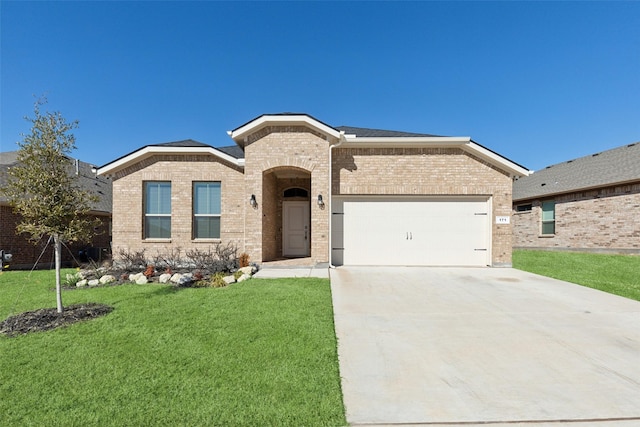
[57, 250]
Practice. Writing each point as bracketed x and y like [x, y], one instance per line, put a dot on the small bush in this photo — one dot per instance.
[132, 260]
[243, 260]
[169, 261]
[217, 281]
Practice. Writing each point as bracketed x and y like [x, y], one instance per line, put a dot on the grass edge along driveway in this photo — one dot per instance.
[261, 352]
[615, 274]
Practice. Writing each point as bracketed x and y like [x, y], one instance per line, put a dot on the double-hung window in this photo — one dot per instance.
[157, 210]
[549, 217]
[206, 210]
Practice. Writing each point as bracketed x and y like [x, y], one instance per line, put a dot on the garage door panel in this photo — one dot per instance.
[396, 231]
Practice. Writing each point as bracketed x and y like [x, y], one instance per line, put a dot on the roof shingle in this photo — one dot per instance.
[606, 168]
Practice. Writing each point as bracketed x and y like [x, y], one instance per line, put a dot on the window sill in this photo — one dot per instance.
[218, 240]
[156, 240]
[546, 236]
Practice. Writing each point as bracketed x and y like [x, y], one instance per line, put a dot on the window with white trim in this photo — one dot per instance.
[548, 226]
[207, 203]
[157, 210]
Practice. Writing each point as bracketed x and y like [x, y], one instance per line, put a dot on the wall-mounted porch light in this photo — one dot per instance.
[320, 201]
[253, 202]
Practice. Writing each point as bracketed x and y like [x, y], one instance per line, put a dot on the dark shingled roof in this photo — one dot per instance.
[183, 143]
[98, 185]
[232, 150]
[606, 168]
[366, 133]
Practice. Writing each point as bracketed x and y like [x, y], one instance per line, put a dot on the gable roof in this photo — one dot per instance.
[187, 146]
[88, 181]
[348, 135]
[615, 166]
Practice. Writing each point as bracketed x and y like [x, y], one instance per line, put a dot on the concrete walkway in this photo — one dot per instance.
[482, 346]
[278, 271]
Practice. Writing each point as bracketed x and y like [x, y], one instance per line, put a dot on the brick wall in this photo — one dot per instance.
[603, 219]
[181, 171]
[426, 172]
[26, 253]
[276, 148]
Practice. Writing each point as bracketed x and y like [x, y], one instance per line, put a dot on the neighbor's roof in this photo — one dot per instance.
[88, 180]
[606, 168]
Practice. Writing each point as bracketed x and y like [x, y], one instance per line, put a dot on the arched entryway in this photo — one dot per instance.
[286, 216]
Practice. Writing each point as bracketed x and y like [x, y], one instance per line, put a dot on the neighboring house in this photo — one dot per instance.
[26, 253]
[587, 204]
[292, 186]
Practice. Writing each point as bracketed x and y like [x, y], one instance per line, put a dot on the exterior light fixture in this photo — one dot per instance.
[320, 201]
[253, 202]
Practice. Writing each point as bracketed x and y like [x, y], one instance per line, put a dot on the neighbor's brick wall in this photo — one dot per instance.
[427, 172]
[274, 147]
[182, 171]
[26, 253]
[601, 219]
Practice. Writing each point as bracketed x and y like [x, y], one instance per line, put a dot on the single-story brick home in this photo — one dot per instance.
[292, 186]
[25, 253]
[586, 204]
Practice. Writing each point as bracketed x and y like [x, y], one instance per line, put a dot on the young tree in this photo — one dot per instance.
[44, 191]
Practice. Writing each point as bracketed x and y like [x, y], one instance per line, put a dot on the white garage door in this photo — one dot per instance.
[410, 231]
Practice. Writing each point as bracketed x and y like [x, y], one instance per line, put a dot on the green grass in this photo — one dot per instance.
[616, 274]
[261, 352]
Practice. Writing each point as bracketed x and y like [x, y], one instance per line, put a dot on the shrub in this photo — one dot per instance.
[243, 260]
[217, 281]
[132, 260]
[169, 261]
[223, 258]
[149, 271]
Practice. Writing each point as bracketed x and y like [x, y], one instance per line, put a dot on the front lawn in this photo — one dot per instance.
[261, 352]
[616, 274]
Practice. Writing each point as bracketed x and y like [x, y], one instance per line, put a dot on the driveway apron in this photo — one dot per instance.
[433, 346]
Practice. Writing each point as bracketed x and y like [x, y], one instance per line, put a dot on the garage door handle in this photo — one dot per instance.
[409, 236]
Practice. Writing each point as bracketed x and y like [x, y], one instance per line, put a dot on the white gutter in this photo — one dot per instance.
[341, 140]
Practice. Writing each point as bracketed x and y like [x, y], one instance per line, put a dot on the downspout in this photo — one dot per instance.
[331, 147]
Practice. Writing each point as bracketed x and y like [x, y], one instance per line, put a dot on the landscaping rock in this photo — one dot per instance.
[141, 279]
[164, 278]
[244, 277]
[94, 282]
[185, 279]
[229, 279]
[107, 278]
[176, 278]
[246, 270]
[82, 283]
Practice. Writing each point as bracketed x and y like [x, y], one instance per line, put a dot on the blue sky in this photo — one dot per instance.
[538, 82]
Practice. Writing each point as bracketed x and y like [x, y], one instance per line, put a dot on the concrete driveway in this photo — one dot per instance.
[484, 346]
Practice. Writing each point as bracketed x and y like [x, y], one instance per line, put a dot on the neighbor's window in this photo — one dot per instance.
[549, 217]
[206, 210]
[524, 208]
[157, 210]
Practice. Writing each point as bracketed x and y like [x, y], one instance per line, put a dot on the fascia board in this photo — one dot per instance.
[408, 141]
[239, 134]
[149, 151]
[496, 160]
[464, 142]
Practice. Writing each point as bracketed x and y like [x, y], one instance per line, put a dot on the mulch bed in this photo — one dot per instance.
[48, 318]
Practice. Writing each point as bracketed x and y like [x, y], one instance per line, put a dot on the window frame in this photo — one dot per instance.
[195, 215]
[148, 215]
[548, 221]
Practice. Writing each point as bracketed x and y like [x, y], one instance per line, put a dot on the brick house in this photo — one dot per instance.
[292, 186]
[586, 204]
[25, 253]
